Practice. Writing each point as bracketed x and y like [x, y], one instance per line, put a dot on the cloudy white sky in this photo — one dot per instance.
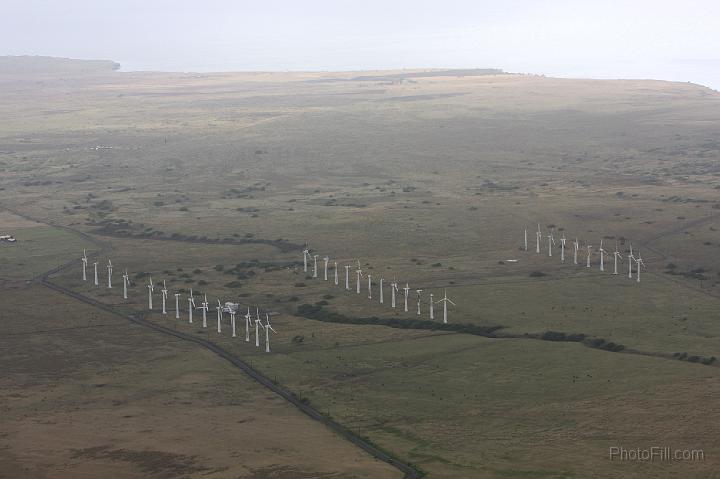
[672, 40]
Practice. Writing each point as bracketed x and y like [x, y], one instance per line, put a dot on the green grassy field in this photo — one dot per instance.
[432, 182]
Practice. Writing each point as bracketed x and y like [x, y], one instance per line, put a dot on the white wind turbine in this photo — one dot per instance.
[219, 316]
[576, 247]
[109, 268]
[97, 283]
[640, 264]
[164, 297]
[232, 320]
[631, 258]
[526, 242]
[306, 254]
[616, 255]
[359, 274]
[432, 307]
[407, 292]
[562, 248]
[248, 318]
[315, 257]
[418, 291]
[126, 281]
[369, 277]
[204, 306]
[393, 289]
[538, 236]
[382, 299]
[347, 277]
[551, 242]
[84, 260]
[191, 305]
[336, 274]
[602, 256]
[326, 259]
[589, 248]
[177, 305]
[151, 288]
[258, 325]
[268, 328]
[445, 301]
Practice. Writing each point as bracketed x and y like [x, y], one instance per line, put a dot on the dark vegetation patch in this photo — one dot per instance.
[164, 464]
[695, 359]
[318, 313]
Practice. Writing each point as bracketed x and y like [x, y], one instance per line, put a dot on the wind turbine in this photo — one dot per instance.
[639, 262]
[257, 328]
[445, 301]
[393, 289]
[306, 254]
[589, 247]
[347, 277]
[562, 248]
[576, 246]
[205, 306]
[177, 305]
[109, 268]
[232, 320]
[191, 306]
[84, 260]
[359, 274]
[551, 241]
[418, 291]
[126, 280]
[164, 297]
[369, 277]
[407, 291]
[336, 274]
[538, 235]
[151, 288]
[248, 318]
[382, 299]
[526, 243]
[616, 255]
[96, 274]
[268, 328]
[602, 256]
[432, 307]
[219, 315]
[326, 259]
[315, 257]
[631, 258]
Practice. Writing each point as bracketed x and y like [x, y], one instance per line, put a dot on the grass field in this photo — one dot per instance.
[215, 182]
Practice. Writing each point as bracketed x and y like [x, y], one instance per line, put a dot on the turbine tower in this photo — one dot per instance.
[538, 235]
[257, 328]
[336, 274]
[347, 277]
[639, 263]
[268, 328]
[359, 274]
[96, 274]
[432, 307]
[177, 305]
[576, 246]
[562, 248]
[382, 299]
[232, 321]
[205, 306]
[126, 280]
[616, 255]
[631, 258]
[191, 306]
[526, 243]
[393, 289]
[306, 254]
[445, 301]
[418, 291]
[315, 257]
[407, 292]
[248, 319]
[164, 297]
[602, 256]
[551, 242]
[219, 316]
[151, 288]
[109, 268]
[589, 248]
[84, 260]
[326, 259]
[369, 277]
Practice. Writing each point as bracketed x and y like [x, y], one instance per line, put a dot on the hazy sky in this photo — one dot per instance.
[673, 40]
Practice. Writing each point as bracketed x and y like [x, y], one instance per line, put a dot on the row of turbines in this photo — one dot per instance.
[617, 256]
[394, 286]
[228, 307]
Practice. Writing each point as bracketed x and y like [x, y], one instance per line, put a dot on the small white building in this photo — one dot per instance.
[7, 239]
